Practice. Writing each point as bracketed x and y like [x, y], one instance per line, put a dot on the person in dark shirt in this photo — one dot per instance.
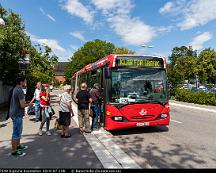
[16, 112]
[96, 99]
[84, 100]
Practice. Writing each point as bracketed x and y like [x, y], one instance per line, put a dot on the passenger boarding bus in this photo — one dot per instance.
[134, 90]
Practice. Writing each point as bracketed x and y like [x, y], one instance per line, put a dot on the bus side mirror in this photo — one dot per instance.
[107, 72]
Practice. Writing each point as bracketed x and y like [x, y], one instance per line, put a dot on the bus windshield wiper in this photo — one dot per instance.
[152, 100]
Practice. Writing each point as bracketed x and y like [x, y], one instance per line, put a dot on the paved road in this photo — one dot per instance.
[189, 143]
[47, 151]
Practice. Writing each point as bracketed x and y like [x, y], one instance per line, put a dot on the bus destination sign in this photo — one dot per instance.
[139, 62]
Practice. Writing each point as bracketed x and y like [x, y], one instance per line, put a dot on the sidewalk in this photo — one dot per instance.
[47, 151]
[193, 105]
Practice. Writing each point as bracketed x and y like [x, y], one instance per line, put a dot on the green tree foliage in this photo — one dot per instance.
[14, 43]
[186, 65]
[89, 53]
[206, 65]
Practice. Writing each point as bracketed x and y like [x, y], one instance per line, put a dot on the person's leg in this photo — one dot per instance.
[80, 118]
[43, 121]
[47, 119]
[93, 116]
[17, 132]
[37, 110]
[67, 131]
[86, 120]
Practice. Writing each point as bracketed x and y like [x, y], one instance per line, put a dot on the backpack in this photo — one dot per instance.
[9, 102]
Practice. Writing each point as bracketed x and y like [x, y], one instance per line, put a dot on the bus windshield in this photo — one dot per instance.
[146, 85]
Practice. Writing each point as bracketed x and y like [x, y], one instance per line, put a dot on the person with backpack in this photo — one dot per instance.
[37, 101]
[45, 105]
[17, 106]
[95, 106]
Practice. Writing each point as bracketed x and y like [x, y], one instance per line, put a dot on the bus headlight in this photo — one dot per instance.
[118, 118]
[163, 115]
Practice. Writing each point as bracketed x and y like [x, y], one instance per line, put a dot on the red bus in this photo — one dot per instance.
[134, 90]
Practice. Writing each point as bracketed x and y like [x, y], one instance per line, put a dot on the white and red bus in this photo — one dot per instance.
[134, 90]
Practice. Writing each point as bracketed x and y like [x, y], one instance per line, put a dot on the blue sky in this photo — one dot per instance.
[65, 25]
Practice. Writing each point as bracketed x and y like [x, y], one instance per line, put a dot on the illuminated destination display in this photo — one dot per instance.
[139, 61]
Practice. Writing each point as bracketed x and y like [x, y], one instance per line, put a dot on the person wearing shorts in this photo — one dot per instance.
[65, 111]
[16, 113]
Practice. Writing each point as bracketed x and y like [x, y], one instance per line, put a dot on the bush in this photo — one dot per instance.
[192, 97]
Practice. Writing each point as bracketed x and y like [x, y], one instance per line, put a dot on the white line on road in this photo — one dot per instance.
[176, 121]
[193, 107]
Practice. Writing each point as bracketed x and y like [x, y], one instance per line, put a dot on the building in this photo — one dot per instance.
[59, 71]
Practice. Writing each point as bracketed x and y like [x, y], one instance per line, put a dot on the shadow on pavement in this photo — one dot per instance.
[52, 152]
[139, 130]
[166, 155]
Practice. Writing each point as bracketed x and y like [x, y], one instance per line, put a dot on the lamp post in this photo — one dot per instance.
[147, 46]
[24, 64]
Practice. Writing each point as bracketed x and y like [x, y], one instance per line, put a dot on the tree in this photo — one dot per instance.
[14, 43]
[89, 53]
[206, 64]
[182, 65]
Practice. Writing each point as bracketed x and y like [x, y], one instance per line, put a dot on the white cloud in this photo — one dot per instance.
[74, 7]
[198, 41]
[48, 15]
[57, 49]
[192, 13]
[78, 35]
[166, 8]
[132, 30]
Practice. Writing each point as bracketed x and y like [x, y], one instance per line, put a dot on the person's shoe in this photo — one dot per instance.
[48, 133]
[62, 136]
[87, 131]
[36, 120]
[95, 129]
[68, 136]
[22, 147]
[40, 132]
[18, 153]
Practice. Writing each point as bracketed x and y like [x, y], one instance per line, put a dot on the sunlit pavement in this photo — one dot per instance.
[47, 151]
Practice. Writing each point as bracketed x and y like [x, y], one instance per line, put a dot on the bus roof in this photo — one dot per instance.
[109, 60]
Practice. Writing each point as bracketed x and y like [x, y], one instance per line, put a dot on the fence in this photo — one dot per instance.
[4, 93]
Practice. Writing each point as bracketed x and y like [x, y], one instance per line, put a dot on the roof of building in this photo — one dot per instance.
[59, 68]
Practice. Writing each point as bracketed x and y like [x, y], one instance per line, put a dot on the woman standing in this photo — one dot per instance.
[65, 111]
[45, 104]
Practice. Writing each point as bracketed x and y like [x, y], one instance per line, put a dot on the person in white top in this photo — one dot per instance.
[65, 111]
[37, 101]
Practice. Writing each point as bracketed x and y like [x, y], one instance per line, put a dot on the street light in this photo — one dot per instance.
[2, 22]
[23, 64]
[147, 46]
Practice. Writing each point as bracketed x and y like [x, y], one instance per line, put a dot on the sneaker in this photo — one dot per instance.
[95, 129]
[40, 132]
[48, 133]
[22, 147]
[36, 120]
[87, 131]
[18, 153]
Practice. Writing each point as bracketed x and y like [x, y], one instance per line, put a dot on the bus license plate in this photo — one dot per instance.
[142, 124]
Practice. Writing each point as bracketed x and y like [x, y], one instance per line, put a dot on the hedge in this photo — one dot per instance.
[198, 98]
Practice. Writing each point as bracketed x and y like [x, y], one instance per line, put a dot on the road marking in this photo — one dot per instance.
[193, 107]
[176, 121]
[109, 154]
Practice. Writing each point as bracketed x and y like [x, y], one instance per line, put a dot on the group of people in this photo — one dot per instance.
[86, 100]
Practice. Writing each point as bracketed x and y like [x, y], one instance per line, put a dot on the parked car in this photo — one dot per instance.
[187, 87]
[203, 88]
[213, 90]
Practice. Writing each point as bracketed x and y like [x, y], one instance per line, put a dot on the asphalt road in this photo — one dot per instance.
[190, 141]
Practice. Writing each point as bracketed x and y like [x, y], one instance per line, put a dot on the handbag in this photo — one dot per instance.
[51, 112]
